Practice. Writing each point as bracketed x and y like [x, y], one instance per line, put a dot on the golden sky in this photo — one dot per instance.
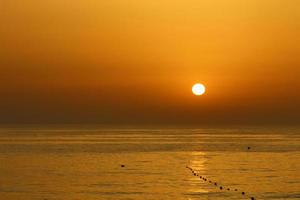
[135, 61]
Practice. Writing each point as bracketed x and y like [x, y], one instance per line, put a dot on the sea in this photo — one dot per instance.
[91, 163]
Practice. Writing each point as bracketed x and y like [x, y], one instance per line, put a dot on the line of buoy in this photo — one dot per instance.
[215, 183]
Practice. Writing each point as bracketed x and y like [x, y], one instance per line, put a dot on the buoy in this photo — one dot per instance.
[215, 183]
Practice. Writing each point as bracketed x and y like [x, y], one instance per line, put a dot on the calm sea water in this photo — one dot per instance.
[85, 164]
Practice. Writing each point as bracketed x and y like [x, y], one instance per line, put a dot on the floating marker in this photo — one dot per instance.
[215, 183]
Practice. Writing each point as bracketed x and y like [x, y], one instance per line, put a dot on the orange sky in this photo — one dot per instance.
[133, 61]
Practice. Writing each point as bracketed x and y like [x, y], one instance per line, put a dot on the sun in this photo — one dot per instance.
[198, 89]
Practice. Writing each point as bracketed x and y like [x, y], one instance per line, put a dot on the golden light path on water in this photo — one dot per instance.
[198, 164]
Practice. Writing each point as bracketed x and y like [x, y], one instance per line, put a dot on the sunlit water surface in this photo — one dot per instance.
[85, 164]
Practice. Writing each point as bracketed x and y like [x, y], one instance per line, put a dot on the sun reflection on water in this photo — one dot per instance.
[197, 163]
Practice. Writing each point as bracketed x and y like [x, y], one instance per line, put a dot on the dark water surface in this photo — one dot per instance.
[85, 164]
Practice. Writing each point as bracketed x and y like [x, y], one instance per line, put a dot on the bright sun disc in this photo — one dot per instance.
[198, 89]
